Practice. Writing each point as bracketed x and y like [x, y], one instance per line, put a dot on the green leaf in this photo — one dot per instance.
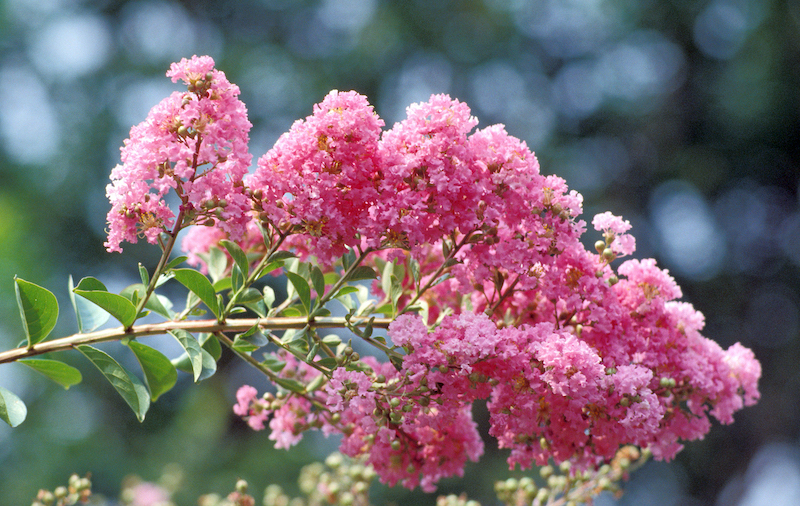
[175, 262]
[63, 374]
[120, 307]
[200, 286]
[248, 295]
[413, 266]
[281, 255]
[269, 268]
[301, 287]
[362, 272]
[273, 363]
[291, 385]
[143, 274]
[156, 303]
[12, 409]
[126, 384]
[210, 343]
[318, 281]
[238, 255]
[193, 351]
[237, 279]
[159, 373]
[38, 308]
[217, 263]
[269, 296]
[88, 315]
[329, 362]
[348, 258]
[209, 365]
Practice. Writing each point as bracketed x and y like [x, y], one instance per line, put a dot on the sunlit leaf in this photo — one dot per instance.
[238, 255]
[118, 306]
[126, 384]
[159, 373]
[12, 409]
[63, 374]
[301, 287]
[89, 316]
[200, 286]
[38, 308]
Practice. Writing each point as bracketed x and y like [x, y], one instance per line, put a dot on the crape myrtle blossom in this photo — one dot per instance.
[193, 142]
[575, 353]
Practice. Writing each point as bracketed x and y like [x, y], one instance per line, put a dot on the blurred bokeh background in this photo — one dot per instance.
[682, 116]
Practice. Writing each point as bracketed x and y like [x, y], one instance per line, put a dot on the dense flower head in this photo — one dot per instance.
[194, 143]
[318, 179]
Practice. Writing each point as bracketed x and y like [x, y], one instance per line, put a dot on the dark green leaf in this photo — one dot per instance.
[200, 286]
[237, 279]
[159, 373]
[280, 255]
[12, 409]
[63, 374]
[291, 385]
[329, 362]
[301, 287]
[238, 255]
[38, 308]
[210, 343]
[193, 351]
[318, 281]
[209, 365]
[413, 266]
[88, 315]
[348, 258]
[126, 384]
[120, 307]
[362, 272]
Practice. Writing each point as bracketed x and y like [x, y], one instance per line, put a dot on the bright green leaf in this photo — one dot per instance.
[88, 315]
[120, 307]
[175, 262]
[318, 281]
[126, 384]
[291, 385]
[238, 255]
[193, 351]
[200, 286]
[38, 308]
[63, 374]
[301, 287]
[143, 274]
[12, 409]
[159, 372]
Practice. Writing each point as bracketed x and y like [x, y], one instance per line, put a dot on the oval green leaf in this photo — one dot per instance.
[193, 351]
[12, 409]
[239, 257]
[118, 306]
[63, 374]
[126, 384]
[300, 285]
[159, 373]
[38, 308]
[88, 315]
[200, 286]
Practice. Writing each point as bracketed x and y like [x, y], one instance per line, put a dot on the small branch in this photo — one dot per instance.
[213, 326]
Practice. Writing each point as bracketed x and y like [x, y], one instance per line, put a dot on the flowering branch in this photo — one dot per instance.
[416, 230]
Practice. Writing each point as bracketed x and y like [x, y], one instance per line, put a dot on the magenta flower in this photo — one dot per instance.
[193, 143]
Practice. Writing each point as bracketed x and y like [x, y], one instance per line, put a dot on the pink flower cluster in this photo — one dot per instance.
[575, 359]
[195, 143]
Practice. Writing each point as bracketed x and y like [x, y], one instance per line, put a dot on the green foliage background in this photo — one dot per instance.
[681, 116]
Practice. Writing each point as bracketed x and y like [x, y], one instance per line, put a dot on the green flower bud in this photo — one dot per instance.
[600, 246]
